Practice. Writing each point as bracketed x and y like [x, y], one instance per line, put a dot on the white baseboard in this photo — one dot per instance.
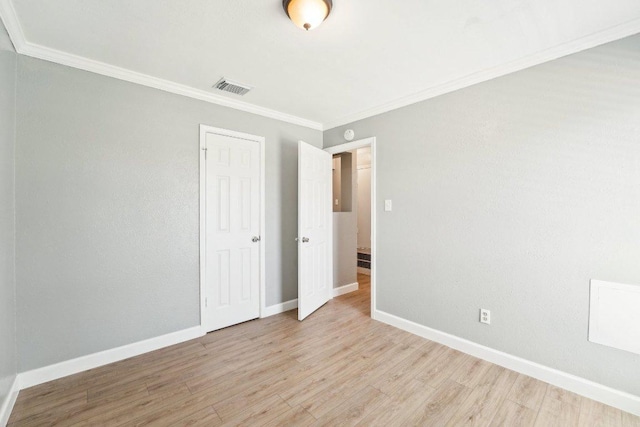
[280, 308]
[7, 406]
[73, 366]
[607, 395]
[352, 287]
[293, 304]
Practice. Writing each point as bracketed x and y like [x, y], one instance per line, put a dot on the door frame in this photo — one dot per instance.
[204, 130]
[350, 146]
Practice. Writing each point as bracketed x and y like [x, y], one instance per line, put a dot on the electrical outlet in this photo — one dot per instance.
[485, 316]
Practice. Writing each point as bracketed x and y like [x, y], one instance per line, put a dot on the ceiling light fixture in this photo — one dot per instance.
[307, 14]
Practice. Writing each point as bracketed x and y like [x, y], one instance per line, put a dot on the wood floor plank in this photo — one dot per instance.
[24, 409]
[528, 392]
[248, 383]
[514, 414]
[336, 391]
[50, 410]
[353, 410]
[471, 372]
[117, 390]
[204, 417]
[313, 384]
[294, 417]
[559, 408]
[234, 406]
[442, 367]
[200, 373]
[173, 411]
[630, 420]
[256, 372]
[338, 367]
[404, 337]
[563, 396]
[441, 405]
[122, 411]
[397, 409]
[599, 415]
[485, 399]
[262, 412]
[402, 374]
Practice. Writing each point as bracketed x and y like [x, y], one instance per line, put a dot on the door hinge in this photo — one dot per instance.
[205, 152]
[206, 302]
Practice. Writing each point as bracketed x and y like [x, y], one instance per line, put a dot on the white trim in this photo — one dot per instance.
[611, 34]
[350, 146]
[203, 223]
[24, 47]
[47, 54]
[293, 304]
[12, 24]
[91, 361]
[204, 130]
[7, 405]
[616, 398]
[263, 227]
[351, 287]
[280, 308]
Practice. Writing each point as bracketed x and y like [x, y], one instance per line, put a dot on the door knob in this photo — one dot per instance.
[305, 239]
[255, 239]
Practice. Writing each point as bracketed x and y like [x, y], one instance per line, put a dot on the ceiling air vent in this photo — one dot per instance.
[233, 87]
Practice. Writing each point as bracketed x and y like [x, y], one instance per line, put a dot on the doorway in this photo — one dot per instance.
[232, 221]
[354, 216]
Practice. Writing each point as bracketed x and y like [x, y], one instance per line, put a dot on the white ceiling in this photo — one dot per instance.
[369, 56]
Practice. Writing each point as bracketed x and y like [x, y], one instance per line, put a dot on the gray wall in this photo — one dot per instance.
[5, 40]
[511, 195]
[8, 364]
[107, 210]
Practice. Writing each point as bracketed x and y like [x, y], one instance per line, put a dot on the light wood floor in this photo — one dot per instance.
[338, 367]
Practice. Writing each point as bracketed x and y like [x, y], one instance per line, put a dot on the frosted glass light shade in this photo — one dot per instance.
[307, 14]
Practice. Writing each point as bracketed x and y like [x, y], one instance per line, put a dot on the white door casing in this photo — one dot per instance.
[231, 265]
[350, 146]
[315, 229]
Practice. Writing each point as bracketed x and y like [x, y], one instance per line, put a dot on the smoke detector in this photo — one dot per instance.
[227, 85]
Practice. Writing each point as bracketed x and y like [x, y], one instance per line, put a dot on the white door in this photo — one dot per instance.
[232, 231]
[315, 247]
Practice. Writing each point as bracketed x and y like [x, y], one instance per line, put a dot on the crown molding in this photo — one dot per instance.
[24, 47]
[70, 60]
[611, 34]
[12, 24]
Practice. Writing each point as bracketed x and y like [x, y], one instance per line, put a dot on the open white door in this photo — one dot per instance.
[315, 233]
